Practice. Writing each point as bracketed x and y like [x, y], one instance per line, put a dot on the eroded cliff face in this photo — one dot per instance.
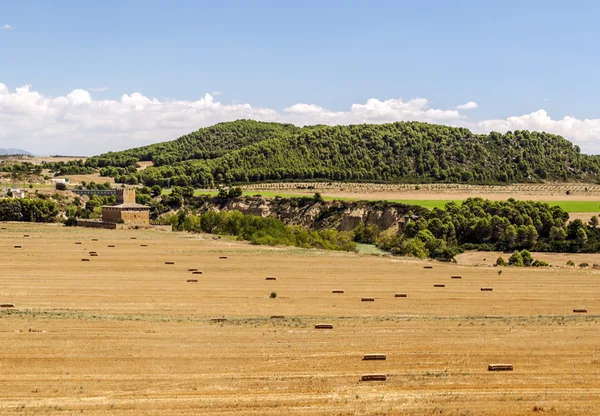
[341, 215]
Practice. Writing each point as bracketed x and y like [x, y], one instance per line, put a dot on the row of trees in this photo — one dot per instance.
[26, 209]
[250, 151]
[493, 225]
[259, 230]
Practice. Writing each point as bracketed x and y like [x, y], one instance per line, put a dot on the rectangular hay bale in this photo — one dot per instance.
[400, 295]
[369, 357]
[271, 278]
[337, 291]
[500, 367]
[455, 277]
[277, 317]
[7, 305]
[486, 289]
[373, 377]
[169, 262]
[579, 310]
[438, 285]
[367, 299]
[192, 270]
[428, 267]
[192, 280]
[323, 326]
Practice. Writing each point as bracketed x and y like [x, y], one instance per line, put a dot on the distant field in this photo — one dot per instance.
[569, 206]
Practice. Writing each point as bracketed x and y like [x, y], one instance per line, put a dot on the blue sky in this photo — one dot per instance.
[513, 58]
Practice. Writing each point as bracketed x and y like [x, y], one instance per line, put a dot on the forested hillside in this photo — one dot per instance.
[249, 151]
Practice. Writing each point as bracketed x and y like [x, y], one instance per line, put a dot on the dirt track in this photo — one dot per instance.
[126, 334]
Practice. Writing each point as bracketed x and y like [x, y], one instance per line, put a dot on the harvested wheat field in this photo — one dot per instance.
[125, 334]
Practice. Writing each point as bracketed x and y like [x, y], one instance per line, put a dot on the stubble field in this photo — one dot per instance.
[125, 333]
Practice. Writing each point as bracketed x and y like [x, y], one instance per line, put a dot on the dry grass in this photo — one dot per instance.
[138, 341]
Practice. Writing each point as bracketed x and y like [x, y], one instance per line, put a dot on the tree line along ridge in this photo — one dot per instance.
[246, 151]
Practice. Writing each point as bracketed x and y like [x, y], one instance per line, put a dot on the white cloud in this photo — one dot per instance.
[467, 106]
[7, 27]
[98, 89]
[76, 123]
[216, 93]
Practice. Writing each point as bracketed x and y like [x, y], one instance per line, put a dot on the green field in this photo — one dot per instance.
[569, 206]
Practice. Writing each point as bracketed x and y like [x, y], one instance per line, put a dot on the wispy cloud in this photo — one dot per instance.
[216, 93]
[7, 27]
[98, 89]
[77, 123]
[467, 106]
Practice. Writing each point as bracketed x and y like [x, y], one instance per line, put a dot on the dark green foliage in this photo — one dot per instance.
[495, 225]
[524, 258]
[72, 167]
[94, 185]
[273, 295]
[30, 210]
[70, 221]
[204, 144]
[21, 168]
[366, 234]
[61, 186]
[501, 262]
[235, 192]
[249, 151]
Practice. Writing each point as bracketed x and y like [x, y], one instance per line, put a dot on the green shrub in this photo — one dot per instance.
[516, 259]
[571, 263]
[273, 295]
[584, 265]
[539, 263]
[501, 262]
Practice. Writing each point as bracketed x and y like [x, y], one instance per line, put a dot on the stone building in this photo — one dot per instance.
[125, 213]
[126, 210]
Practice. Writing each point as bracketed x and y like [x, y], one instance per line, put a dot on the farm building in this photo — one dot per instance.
[125, 213]
[126, 210]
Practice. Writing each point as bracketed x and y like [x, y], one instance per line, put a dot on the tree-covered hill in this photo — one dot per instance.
[207, 143]
[250, 151]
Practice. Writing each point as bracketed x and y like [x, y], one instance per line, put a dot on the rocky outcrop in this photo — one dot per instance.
[306, 212]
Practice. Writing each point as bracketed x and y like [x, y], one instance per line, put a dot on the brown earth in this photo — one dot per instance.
[125, 334]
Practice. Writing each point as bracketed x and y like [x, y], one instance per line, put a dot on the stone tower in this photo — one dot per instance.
[126, 196]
